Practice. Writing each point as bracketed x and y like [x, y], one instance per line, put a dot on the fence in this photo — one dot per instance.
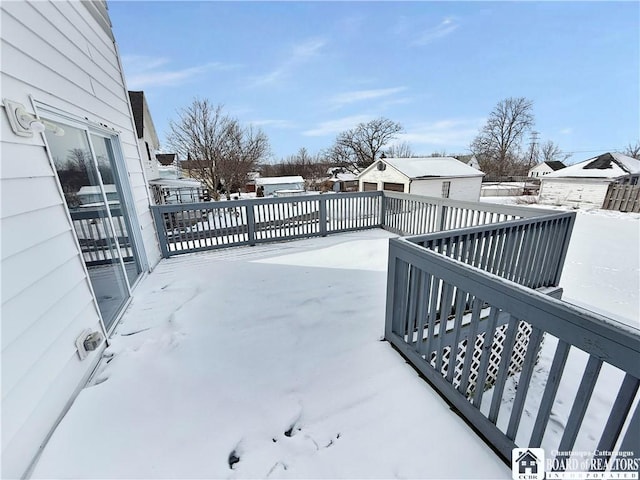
[623, 198]
[460, 310]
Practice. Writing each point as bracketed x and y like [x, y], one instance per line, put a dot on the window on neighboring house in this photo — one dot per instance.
[148, 151]
[446, 186]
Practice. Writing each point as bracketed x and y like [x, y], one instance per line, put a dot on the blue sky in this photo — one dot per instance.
[304, 71]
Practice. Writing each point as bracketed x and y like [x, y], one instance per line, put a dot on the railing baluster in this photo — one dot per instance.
[503, 369]
[550, 391]
[613, 428]
[459, 302]
[445, 308]
[476, 309]
[487, 347]
[587, 384]
[433, 308]
[524, 381]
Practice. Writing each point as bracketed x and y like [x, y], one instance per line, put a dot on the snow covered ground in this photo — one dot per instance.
[266, 362]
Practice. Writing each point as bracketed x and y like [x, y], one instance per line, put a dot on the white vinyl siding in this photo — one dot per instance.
[379, 177]
[576, 192]
[55, 53]
[460, 188]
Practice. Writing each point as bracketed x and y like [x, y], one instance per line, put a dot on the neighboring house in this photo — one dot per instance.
[171, 187]
[146, 131]
[470, 160]
[545, 168]
[250, 185]
[342, 181]
[272, 186]
[168, 165]
[65, 284]
[586, 183]
[444, 177]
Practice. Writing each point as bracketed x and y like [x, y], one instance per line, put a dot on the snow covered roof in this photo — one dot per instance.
[344, 177]
[607, 165]
[425, 167]
[176, 183]
[279, 180]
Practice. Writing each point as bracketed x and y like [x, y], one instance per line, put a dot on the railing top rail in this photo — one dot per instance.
[168, 208]
[486, 207]
[613, 342]
[489, 227]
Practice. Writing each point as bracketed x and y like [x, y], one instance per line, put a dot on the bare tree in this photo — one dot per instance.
[341, 156]
[498, 146]
[310, 167]
[399, 150]
[219, 152]
[632, 151]
[361, 145]
[242, 150]
[550, 152]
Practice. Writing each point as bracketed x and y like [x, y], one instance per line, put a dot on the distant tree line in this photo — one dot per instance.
[217, 150]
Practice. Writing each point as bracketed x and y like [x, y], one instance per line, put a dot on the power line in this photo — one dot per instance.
[596, 150]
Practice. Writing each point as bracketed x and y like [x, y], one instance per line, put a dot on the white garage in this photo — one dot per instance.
[443, 177]
[585, 184]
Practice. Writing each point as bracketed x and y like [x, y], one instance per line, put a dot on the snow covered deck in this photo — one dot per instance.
[271, 355]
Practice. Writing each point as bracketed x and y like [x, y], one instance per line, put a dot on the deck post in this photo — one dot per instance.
[251, 225]
[158, 219]
[322, 202]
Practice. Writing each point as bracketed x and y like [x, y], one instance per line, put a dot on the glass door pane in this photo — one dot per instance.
[107, 167]
[83, 192]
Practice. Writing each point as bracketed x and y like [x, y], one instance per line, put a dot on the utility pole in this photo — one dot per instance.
[533, 151]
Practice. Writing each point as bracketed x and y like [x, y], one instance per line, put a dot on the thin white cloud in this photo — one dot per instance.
[451, 133]
[336, 126]
[144, 72]
[446, 27]
[299, 55]
[272, 122]
[346, 98]
[566, 131]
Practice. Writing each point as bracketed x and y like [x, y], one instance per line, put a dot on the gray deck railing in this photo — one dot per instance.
[460, 310]
[461, 300]
[192, 227]
[96, 237]
[408, 214]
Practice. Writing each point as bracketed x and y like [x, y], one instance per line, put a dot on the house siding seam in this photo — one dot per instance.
[58, 55]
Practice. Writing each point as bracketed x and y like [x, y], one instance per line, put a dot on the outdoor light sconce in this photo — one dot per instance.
[88, 341]
[25, 124]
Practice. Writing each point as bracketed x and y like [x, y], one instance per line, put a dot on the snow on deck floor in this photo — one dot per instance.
[271, 355]
[236, 346]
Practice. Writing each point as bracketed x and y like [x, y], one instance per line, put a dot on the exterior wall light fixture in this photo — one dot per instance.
[25, 124]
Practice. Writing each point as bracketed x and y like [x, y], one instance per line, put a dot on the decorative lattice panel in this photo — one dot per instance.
[495, 355]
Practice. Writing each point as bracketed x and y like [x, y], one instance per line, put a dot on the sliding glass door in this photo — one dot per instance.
[86, 166]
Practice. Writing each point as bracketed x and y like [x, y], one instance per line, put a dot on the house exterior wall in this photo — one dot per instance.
[389, 175]
[577, 192]
[272, 188]
[149, 156]
[540, 170]
[461, 188]
[59, 54]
